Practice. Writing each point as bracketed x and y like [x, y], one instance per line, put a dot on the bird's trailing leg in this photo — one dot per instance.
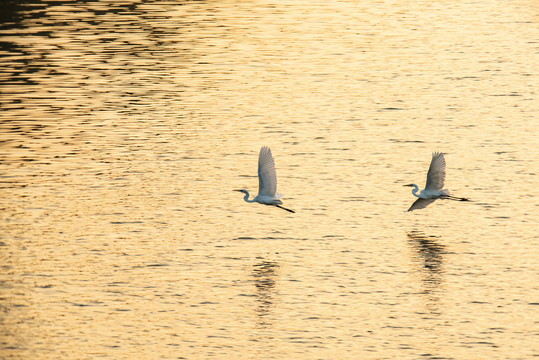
[449, 197]
[280, 207]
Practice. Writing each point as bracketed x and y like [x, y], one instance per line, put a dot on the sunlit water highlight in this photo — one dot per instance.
[125, 126]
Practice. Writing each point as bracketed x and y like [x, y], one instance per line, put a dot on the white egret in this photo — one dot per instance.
[435, 182]
[267, 181]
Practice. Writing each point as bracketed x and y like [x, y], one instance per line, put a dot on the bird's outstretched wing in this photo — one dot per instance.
[267, 177]
[436, 174]
[421, 204]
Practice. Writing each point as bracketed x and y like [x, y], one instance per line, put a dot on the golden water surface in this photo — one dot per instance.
[125, 126]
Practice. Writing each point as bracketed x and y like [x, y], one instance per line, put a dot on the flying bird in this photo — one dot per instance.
[267, 181]
[435, 183]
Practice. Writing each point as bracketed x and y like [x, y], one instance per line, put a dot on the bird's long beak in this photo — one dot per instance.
[408, 185]
[238, 190]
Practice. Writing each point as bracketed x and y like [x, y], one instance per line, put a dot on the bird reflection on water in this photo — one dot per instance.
[264, 273]
[429, 256]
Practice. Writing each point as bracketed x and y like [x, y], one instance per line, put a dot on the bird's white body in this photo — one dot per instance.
[435, 182]
[428, 193]
[267, 181]
[262, 199]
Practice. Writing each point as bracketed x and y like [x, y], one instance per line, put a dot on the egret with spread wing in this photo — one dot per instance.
[435, 183]
[267, 181]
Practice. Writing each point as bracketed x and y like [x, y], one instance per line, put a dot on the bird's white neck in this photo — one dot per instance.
[246, 197]
[414, 190]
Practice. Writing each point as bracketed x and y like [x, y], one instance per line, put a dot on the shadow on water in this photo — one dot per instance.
[429, 258]
[265, 275]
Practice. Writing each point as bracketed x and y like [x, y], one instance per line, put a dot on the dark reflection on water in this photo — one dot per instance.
[64, 58]
[265, 275]
[429, 257]
[38, 33]
[74, 73]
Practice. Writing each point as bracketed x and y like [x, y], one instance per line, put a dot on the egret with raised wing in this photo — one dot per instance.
[267, 181]
[435, 183]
